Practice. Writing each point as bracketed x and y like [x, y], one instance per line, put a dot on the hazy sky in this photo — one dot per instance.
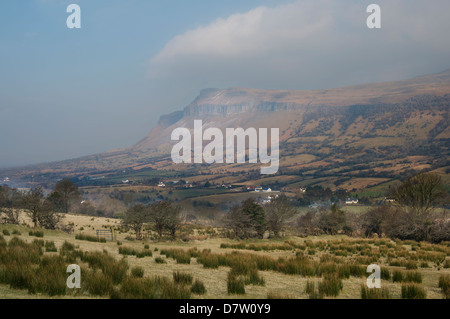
[65, 92]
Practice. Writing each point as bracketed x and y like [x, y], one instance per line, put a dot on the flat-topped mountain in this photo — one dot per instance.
[322, 132]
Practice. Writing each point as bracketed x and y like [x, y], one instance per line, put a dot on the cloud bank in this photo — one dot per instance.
[309, 44]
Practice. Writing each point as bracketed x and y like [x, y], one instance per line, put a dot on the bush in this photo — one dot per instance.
[6, 232]
[182, 278]
[16, 232]
[198, 288]
[137, 272]
[413, 291]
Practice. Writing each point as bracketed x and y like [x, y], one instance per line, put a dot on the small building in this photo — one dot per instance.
[302, 189]
[258, 189]
[350, 201]
[125, 181]
[161, 184]
[267, 190]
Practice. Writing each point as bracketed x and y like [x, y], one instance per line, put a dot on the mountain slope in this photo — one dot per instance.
[379, 130]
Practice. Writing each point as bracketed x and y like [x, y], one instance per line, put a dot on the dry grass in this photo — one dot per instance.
[276, 284]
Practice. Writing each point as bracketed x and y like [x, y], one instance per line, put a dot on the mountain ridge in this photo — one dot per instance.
[385, 120]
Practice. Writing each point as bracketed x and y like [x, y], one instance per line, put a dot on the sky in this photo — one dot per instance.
[66, 93]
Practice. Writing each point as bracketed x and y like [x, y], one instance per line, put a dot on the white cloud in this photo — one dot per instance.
[309, 44]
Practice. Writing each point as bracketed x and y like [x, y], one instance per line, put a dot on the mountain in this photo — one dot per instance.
[372, 131]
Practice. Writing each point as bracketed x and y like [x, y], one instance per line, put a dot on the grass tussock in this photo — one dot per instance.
[444, 284]
[374, 293]
[413, 291]
[198, 287]
[90, 238]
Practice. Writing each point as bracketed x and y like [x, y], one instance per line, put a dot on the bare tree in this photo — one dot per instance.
[8, 212]
[421, 192]
[165, 216]
[277, 212]
[239, 223]
[173, 219]
[40, 210]
[66, 192]
[135, 217]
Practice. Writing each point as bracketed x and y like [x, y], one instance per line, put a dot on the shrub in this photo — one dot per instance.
[182, 278]
[16, 232]
[198, 288]
[137, 272]
[6, 232]
[413, 291]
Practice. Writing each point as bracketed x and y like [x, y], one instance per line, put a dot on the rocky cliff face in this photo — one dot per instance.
[227, 102]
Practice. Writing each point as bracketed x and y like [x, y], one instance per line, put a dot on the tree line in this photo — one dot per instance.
[164, 217]
[411, 214]
[43, 210]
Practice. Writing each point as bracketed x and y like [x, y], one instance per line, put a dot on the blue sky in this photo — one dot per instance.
[65, 92]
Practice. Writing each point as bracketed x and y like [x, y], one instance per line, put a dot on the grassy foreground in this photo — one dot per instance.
[215, 267]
